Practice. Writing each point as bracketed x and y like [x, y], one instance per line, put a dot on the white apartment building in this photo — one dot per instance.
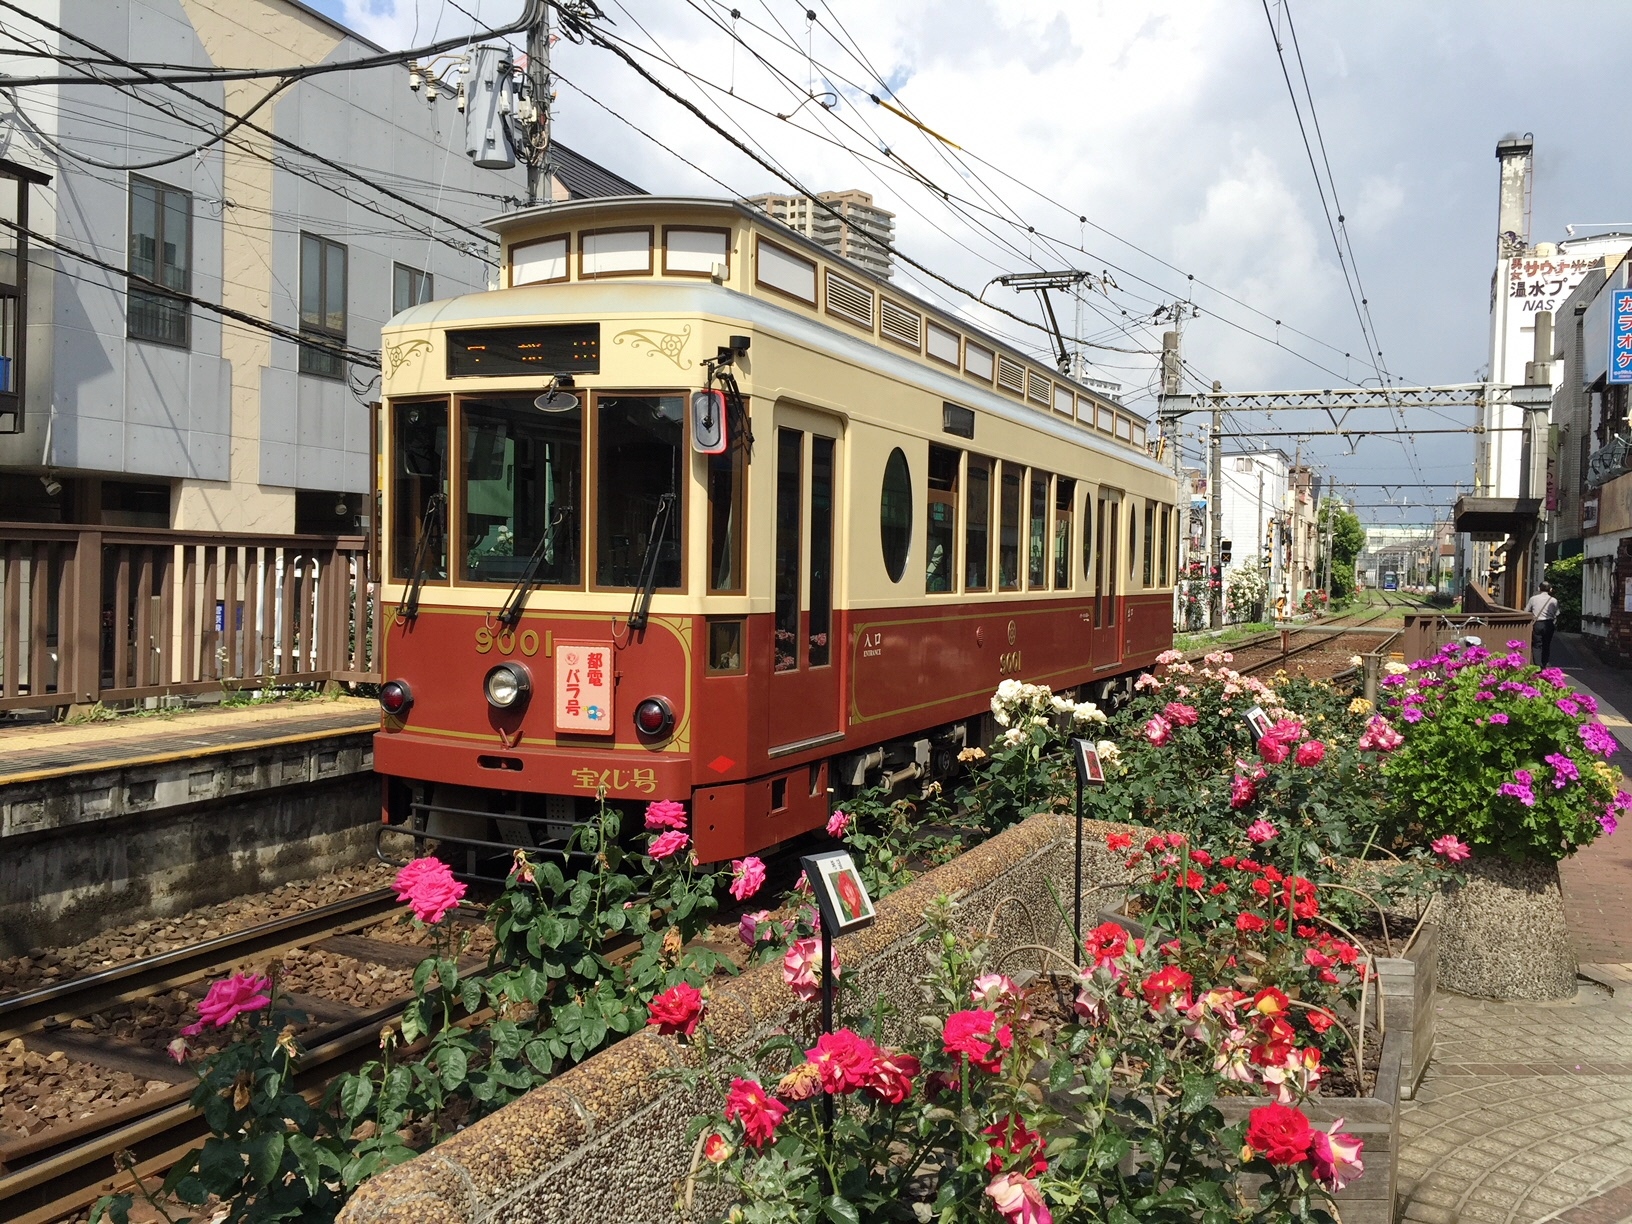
[861, 220]
[1255, 490]
[144, 409]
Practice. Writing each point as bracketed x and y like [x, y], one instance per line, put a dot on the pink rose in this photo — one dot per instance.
[428, 886]
[748, 926]
[802, 969]
[1336, 1158]
[1450, 848]
[228, 999]
[669, 844]
[1018, 1200]
[747, 874]
[665, 814]
[837, 823]
[1158, 731]
[1261, 831]
[1310, 752]
[1243, 790]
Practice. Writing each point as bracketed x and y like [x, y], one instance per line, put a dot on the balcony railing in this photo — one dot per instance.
[92, 614]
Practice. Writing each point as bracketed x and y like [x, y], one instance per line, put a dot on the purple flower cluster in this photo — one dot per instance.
[1598, 739]
[1564, 770]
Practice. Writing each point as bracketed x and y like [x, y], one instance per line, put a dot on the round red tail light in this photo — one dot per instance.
[396, 697]
[654, 716]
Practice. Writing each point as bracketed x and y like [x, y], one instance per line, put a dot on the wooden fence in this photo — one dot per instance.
[108, 614]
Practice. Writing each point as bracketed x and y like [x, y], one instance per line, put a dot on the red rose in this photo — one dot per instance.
[1263, 888]
[1280, 1134]
[1106, 942]
[975, 1035]
[1201, 858]
[1118, 841]
[1219, 889]
[1249, 922]
[1319, 1021]
[1011, 1136]
[1169, 985]
[890, 1077]
[758, 1112]
[844, 1059]
[676, 1010]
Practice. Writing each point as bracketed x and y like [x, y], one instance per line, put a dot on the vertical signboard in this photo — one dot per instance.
[1620, 336]
[583, 687]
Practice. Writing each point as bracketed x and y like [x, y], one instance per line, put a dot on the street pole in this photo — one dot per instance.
[538, 79]
[1172, 382]
[1215, 511]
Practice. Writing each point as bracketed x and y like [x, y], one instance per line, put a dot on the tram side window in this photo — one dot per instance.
[1167, 546]
[1008, 545]
[1037, 569]
[1099, 567]
[977, 542]
[819, 651]
[725, 537]
[522, 491]
[419, 473]
[941, 514]
[790, 459]
[1150, 543]
[1088, 540]
[1065, 497]
[640, 455]
[1133, 541]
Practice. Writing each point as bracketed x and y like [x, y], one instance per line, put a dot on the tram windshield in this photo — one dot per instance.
[522, 491]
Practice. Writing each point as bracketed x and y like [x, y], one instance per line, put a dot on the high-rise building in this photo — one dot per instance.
[862, 233]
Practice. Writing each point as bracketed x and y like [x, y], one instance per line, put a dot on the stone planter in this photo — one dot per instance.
[1503, 934]
[1407, 982]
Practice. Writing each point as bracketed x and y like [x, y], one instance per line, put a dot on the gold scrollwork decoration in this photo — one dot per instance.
[660, 343]
[399, 355]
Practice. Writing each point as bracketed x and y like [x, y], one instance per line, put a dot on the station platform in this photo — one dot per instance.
[33, 752]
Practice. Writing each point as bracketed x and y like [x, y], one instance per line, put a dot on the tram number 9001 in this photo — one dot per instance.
[1008, 663]
[506, 641]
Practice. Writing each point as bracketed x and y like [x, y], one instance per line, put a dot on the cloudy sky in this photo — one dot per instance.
[1169, 127]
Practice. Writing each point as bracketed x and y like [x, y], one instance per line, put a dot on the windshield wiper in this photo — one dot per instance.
[510, 615]
[408, 609]
[648, 564]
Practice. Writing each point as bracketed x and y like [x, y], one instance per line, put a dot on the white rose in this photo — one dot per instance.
[1062, 705]
[1395, 669]
[1014, 736]
[1356, 661]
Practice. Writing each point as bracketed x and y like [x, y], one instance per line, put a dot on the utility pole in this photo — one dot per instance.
[538, 131]
[1215, 513]
[1172, 384]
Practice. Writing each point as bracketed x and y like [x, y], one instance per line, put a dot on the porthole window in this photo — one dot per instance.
[895, 514]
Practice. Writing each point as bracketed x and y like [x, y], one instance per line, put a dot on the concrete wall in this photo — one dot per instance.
[69, 882]
[606, 1140]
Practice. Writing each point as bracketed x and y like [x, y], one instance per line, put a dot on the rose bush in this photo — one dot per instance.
[1091, 1097]
[1498, 753]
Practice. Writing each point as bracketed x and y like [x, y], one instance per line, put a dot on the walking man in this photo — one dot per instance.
[1544, 608]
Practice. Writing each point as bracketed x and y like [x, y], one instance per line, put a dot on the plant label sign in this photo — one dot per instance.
[1089, 767]
[1258, 722]
[841, 897]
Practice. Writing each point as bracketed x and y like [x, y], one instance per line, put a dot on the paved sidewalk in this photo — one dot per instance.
[1525, 1113]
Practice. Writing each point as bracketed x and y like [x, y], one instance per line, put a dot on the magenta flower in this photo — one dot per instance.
[1524, 777]
[1587, 702]
[1519, 791]
[1606, 819]
[1598, 739]
[1412, 715]
[1243, 791]
[1515, 644]
[1564, 770]
[748, 926]
[669, 844]
[1451, 848]
[747, 875]
[1572, 708]
[1261, 831]
[1310, 752]
[665, 814]
[428, 886]
[228, 999]
[1554, 677]
[838, 823]
[1158, 731]
[1499, 718]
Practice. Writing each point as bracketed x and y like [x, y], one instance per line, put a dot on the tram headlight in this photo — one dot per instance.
[396, 697]
[507, 686]
[654, 717]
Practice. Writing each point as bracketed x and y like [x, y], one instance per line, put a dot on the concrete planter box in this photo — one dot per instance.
[1503, 932]
[1407, 982]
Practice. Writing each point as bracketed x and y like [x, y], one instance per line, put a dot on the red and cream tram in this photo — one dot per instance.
[691, 508]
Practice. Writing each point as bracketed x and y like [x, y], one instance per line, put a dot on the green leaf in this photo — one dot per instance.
[265, 1157]
[356, 1092]
[452, 1065]
[840, 1210]
[115, 1207]
[221, 1166]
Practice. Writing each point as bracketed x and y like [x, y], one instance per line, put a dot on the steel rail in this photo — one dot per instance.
[34, 1009]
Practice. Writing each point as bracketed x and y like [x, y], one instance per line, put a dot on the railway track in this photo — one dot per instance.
[1274, 649]
[63, 1169]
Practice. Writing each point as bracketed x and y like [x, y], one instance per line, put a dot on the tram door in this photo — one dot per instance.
[804, 663]
[1107, 568]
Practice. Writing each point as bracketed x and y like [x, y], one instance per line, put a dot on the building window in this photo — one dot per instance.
[409, 287]
[941, 514]
[322, 305]
[161, 252]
